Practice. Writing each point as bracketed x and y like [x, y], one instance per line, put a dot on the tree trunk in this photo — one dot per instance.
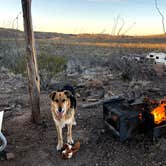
[32, 67]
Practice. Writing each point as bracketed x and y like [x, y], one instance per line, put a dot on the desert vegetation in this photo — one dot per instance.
[99, 67]
[119, 82]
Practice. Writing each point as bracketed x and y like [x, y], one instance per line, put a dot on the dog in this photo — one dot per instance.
[63, 109]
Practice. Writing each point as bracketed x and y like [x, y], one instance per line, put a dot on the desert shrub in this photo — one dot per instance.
[20, 66]
[130, 69]
[49, 67]
[17, 65]
[12, 57]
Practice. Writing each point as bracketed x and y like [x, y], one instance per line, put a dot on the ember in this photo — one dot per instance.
[159, 112]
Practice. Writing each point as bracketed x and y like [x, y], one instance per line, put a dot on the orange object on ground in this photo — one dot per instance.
[68, 150]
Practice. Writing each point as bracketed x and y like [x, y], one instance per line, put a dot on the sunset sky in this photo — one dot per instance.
[87, 16]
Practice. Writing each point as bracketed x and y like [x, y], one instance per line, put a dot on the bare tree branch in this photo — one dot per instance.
[121, 27]
[116, 20]
[129, 28]
[162, 16]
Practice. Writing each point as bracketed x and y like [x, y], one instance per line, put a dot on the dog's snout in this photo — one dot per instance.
[60, 110]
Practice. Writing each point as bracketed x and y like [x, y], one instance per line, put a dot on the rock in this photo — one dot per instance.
[162, 144]
[78, 95]
[8, 109]
[108, 94]
[74, 67]
[10, 82]
[10, 156]
[102, 131]
[92, 100]
[93, 89]
[94, 83]
[3, 155]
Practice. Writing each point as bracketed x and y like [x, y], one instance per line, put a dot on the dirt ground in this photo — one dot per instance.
[35, 145]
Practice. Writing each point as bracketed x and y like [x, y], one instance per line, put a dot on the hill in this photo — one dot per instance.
[11, 33]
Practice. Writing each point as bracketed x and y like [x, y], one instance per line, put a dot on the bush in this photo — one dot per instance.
[130, 69]
[20, 66]
[49, 67]
[12, 56]
[15, 60]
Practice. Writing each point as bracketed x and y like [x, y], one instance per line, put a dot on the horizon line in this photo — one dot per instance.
[107, 34]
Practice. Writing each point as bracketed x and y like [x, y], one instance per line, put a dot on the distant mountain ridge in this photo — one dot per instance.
[11, 33]
[158, 38]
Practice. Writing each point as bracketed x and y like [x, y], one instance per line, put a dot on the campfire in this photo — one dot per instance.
[159, 112]
[126, 118]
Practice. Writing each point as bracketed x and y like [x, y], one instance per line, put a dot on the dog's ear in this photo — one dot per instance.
[52, 95]
[71, 97]
[68, 93]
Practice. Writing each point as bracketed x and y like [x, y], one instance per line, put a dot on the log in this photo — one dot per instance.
[32, 67]
[94, 104]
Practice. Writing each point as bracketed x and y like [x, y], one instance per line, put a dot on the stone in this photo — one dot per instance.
[10, 156]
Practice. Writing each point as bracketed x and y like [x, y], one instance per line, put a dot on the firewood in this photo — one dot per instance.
[99, 102]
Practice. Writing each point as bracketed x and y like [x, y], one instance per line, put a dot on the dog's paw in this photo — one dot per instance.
[58, 147]
[70, 141]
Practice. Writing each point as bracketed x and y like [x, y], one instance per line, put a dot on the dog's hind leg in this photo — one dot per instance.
[60, 137]
[69, 134]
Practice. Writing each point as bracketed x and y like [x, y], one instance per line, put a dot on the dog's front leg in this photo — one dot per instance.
[60, 138]
[69, 134]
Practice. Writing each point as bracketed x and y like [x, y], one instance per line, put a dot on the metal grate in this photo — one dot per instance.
[127, 118]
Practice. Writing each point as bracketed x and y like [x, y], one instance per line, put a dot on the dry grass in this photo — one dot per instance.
[121, 45]
[80, 40]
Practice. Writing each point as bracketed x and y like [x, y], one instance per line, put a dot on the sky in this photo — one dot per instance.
[139, 17]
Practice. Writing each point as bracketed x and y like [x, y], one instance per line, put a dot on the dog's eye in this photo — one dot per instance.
[56, 100]
[63, 100]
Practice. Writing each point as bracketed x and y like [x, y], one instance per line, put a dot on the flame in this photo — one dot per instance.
[159, 112]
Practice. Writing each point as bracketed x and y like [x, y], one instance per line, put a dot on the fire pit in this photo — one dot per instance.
[126, 118]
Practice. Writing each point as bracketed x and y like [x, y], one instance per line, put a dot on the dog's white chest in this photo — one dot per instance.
[63, 123]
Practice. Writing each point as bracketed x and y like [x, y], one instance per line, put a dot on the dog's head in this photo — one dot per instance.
[61, 102]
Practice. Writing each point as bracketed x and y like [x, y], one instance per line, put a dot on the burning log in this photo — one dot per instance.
[159, 112]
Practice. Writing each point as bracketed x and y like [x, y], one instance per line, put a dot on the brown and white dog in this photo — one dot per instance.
[63, 109]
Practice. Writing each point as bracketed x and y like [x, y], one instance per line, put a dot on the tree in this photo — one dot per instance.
[32, 67]
[162, 16]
